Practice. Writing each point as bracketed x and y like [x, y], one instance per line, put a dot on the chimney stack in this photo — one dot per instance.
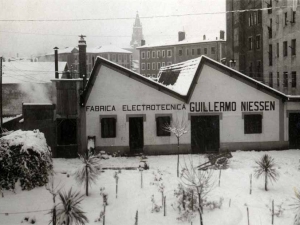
[56, 62]
[222, 34]
[143, 42]
[181, 35]
[204, 37]
[82, 56]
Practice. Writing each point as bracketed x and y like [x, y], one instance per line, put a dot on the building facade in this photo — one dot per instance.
[71, 56]
[153, 57]
[245, 37]
[281, 53]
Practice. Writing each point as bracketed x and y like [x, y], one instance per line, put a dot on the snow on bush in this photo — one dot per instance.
[24, 156]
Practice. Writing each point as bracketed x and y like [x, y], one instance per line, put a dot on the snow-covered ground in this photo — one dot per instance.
[131, 197]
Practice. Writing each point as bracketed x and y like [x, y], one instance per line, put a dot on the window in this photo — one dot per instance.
[163, 53]
[270, 55]
[270, 29]
[259, 17]
[253, 124]
[180, 52]
[158, 65]
[277, 50]
[285, 79]
[120, 57]
[293, 20]
[278, 80]
[108, 127]
[153, 54]
[255, 18]
[205, 51]
[161, 122]
[143, 55]
[285, 48]
[294, 79]
[250, 43]
[148, 55]
[187, 52]
[250, 19]
[163, 64]
[271, 79]
[143, 66]
[148, 66]
[153, 66]
[169, 53]
[199, 51]
[285, 19]
[257, 41]
[158, 54]
[250, 69]
[193, 51]
[213, 50]
[269, 5]
[293, 47]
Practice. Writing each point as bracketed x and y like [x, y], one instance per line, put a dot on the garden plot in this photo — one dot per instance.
[131, 198]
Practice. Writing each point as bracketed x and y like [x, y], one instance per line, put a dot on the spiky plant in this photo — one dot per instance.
[296, 206]
[266, 167]
[68, 210]
[89, 170]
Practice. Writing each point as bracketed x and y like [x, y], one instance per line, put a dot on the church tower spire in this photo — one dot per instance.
[137, 34]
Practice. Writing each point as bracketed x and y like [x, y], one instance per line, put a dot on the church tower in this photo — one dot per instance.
[137, 34]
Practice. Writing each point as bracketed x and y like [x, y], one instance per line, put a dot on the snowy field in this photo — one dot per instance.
[234, 188]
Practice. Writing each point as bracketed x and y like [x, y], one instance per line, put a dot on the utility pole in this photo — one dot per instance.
[1, 116]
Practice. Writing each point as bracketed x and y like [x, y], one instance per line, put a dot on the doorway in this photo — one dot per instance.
[205, 134]
[294, 130]
[136, 135]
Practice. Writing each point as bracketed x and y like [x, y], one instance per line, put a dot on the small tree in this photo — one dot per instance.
[296, 206]
[89, 170]
[266, 167]
[178, 127]
[68, 210]
[199, 182]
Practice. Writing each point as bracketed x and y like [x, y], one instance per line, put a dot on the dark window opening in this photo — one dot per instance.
[250, 43]
[258, 42]
[293, 17]
[199, 51]
[277, 50]
[205, 51]
[108, 127]
[294, 79]
[193, 51]
[270, 29]
[285, 19]
[285, 48]
[270, 55]
[161, 123]
[253, 124]
[213, 50]
[66, 131]
[293, 47]
[271, 79]
[278, 80]
[180, 52]
[285, 79]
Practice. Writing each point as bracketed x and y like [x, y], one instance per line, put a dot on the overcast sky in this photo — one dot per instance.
[33, 38]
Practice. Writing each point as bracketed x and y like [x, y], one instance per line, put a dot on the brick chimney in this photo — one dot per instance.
[222, 34]
[143, 42]
[56, 62]
[204, 37]
[82, 56]
[181, 35]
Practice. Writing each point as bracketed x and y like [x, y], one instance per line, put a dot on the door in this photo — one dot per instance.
[136, 135]
[205, 134]
[294, 130]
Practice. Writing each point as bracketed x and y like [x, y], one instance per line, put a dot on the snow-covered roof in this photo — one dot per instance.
[107, 49]
[184, 42]
[30, 72]
[64, 50]
[178, 77]
[34, 140]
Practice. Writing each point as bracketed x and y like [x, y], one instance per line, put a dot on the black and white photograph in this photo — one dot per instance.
[150, 112]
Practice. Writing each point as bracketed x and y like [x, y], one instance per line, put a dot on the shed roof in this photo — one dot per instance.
[30, 72]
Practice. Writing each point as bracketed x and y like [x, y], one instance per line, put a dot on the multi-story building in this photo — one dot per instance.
[152, 57]
[244, 37]
[281, 53]
[71, 54]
